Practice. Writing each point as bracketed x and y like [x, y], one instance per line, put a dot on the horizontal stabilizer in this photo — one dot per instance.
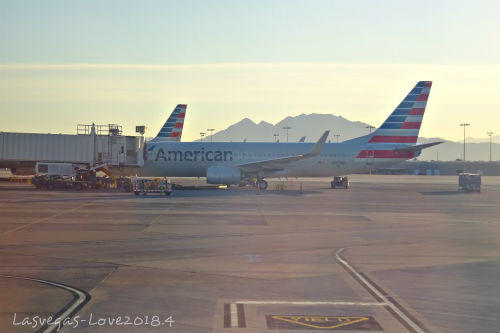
[419, 147]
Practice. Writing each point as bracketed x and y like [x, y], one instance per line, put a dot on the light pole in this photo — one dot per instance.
[464, 125]
[370, 127]
[490, 134]
[287, 128]
[202, 134]
[337, 136]
[211, 130]
[276, 137]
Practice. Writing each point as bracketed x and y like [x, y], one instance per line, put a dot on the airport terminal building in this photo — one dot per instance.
[443, 168]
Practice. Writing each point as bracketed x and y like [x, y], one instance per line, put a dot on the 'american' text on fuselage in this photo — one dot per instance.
[194, 155]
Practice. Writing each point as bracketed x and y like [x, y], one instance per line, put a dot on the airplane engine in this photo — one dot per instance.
[223, 175]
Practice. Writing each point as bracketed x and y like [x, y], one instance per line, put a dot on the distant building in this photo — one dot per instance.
[436, 168]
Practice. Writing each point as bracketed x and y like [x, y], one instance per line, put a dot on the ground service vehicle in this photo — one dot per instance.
[469, 182]
[151, 185]
[70, 176]
[340, 182]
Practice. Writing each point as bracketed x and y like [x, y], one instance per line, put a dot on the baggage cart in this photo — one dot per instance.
[469, 182]
[147, 186]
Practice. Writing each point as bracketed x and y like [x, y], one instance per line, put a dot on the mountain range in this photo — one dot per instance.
[312, 126]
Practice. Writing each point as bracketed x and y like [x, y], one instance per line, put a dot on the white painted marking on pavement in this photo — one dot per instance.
[234, 315]
[379, 294]
[312, 303]
[69, 310]
[44, 219]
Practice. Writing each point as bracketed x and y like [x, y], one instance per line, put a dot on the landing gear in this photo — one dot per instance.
[340, 182]
[257, 183]
[262, 184]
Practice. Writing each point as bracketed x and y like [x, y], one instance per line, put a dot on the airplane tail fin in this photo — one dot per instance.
[403, 125]
[172, 129]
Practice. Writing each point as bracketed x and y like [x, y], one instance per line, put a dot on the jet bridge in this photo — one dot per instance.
[92, 145]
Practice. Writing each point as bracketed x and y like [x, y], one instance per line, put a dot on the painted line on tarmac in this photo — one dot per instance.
[401, 314]
[234, 315]
[339, 303]
[43, 219]
[80, 298]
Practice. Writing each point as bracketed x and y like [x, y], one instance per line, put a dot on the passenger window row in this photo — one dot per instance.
[245, 155]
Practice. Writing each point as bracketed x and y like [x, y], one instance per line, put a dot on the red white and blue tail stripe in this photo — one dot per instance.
[172, 129]
[404, 123]
[400, 130]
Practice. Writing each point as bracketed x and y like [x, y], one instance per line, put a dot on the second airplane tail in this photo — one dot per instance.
[172, 129]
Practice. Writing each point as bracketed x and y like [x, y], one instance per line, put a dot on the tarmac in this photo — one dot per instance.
[390, 254]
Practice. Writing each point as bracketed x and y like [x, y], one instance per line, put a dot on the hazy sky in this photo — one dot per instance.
[130, 62]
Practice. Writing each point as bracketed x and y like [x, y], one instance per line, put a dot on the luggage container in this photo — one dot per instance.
[469, 182]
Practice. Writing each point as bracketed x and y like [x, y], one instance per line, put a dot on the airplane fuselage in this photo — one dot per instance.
[191, 159]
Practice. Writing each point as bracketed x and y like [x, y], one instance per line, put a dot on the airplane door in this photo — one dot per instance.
[370, 156]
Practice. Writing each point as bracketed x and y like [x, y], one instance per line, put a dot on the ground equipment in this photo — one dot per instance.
[146, 186]
[469, 182]
[340, 182]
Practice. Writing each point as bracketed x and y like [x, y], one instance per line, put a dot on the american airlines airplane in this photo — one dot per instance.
[241, 162]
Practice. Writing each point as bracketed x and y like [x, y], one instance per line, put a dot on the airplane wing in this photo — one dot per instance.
[419, 147]
[280, 163]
